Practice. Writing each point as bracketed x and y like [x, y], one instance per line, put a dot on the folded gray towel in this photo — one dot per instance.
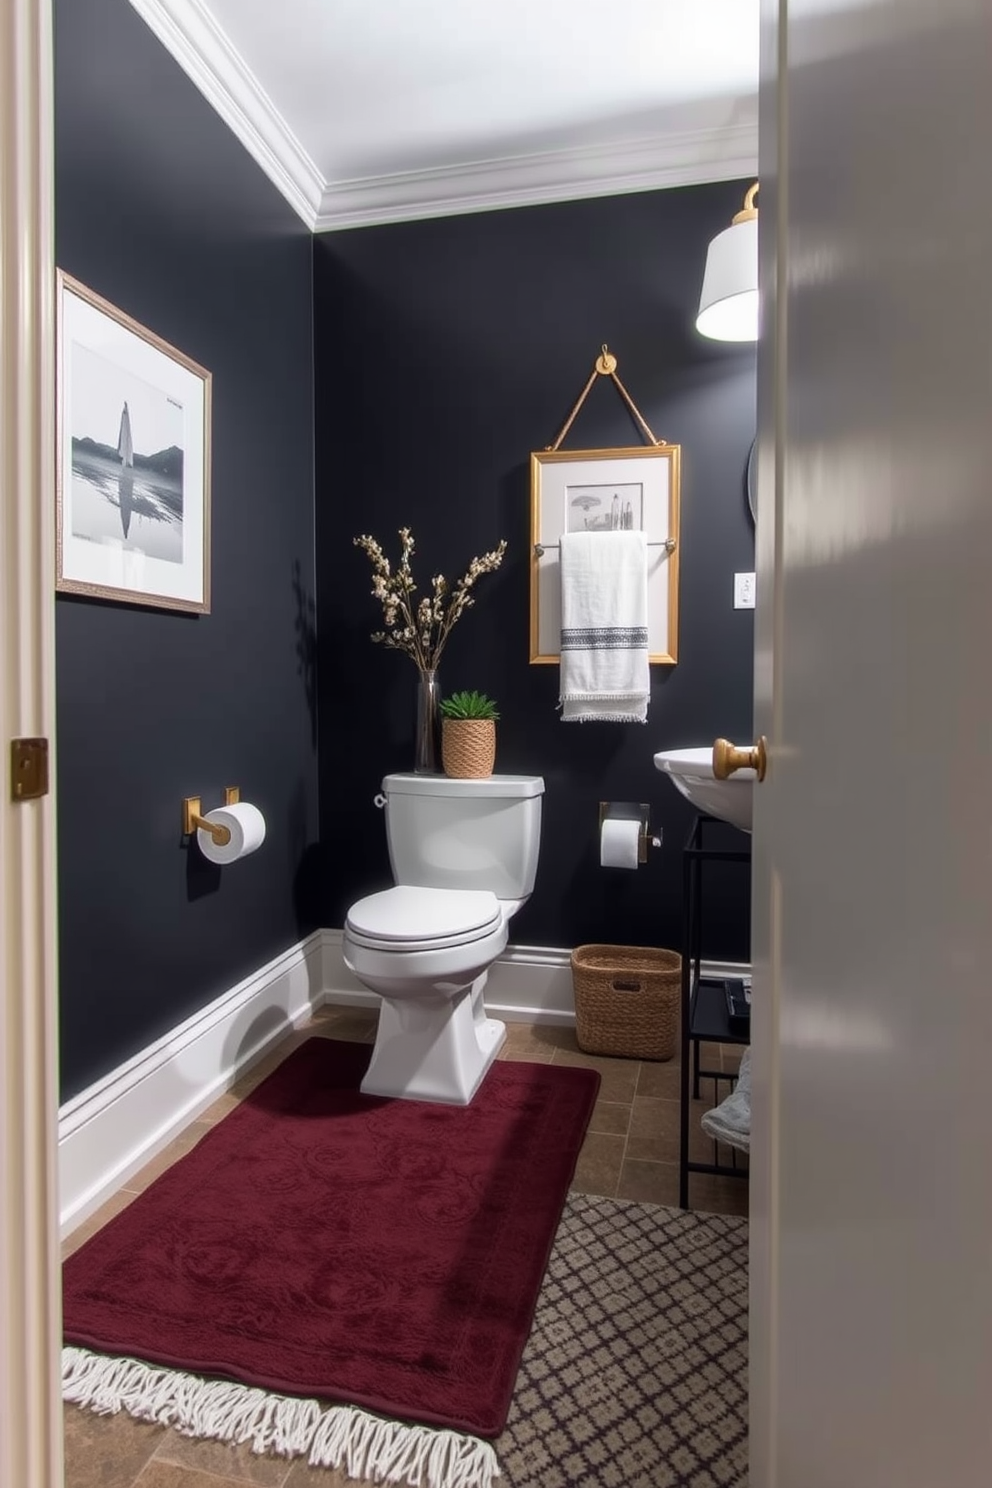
[730, 1121]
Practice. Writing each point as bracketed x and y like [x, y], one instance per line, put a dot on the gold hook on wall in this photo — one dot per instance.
[605, 365]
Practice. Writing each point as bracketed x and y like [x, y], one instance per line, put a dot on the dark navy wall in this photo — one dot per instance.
[160, 209]
[446, 351]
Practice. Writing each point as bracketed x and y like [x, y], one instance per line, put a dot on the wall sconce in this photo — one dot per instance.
[728, 304]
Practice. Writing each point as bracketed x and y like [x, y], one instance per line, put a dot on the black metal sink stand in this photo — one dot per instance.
[705, 1019]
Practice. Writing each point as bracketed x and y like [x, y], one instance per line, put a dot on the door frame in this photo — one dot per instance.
[766, 897]
[31, 1428]
[30, 1303]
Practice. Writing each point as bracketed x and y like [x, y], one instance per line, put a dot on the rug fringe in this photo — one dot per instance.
[362, 1445]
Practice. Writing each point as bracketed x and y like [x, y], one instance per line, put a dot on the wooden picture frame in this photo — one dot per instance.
[133, 459]
[573, 490]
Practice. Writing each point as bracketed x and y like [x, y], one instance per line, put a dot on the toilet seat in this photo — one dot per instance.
[407, 918]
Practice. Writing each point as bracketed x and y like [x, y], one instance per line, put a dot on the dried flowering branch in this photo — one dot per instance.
[421, 628]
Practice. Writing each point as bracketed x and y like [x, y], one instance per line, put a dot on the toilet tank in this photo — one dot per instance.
[465, 834]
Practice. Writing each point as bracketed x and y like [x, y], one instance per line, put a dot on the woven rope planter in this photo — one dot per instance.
[627, 1000]
[468, 747]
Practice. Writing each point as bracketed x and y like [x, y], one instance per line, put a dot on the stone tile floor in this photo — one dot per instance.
[630, 1152]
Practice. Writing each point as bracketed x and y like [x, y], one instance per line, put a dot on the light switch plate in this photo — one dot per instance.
[743, 591]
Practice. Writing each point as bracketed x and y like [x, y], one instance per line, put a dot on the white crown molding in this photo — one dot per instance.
[684, 158]
[189, 32]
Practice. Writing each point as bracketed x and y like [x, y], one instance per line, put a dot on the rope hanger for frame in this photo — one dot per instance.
[605, 365]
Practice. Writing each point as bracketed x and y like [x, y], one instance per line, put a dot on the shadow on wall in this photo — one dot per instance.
[202, 876]
[306, 645]
[309, 894]
[248, 1042]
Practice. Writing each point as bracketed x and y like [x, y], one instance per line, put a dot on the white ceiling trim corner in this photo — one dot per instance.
[189, 32]
[675, 159]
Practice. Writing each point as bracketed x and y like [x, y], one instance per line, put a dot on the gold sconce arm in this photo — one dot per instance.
[192, 818]
[749, 210]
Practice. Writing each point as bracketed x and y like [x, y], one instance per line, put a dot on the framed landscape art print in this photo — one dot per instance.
[133, 465]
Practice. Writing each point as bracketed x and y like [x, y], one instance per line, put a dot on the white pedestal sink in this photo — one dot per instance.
[691, 772]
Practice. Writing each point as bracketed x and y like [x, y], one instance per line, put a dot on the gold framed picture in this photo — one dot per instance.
[603, 490]
[133, 460]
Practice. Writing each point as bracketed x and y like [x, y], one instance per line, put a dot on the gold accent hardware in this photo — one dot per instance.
[547, 521]
[669, 546]
[192, 818]
[605, 365]
[727, 758]
[638, 811]
[749, 210]
[28, 769]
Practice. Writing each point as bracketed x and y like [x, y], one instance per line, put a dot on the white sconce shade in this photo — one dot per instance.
[728, 304]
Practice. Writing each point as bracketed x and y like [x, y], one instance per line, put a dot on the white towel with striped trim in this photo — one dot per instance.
[605, 675]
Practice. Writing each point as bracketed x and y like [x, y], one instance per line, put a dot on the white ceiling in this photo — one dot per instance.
[382, 110]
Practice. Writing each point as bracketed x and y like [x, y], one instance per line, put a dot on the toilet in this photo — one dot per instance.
[464, 856]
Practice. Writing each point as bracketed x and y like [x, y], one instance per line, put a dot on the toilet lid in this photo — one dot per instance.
[406, 917]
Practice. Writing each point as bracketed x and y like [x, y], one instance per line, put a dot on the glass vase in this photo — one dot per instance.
[426, 755]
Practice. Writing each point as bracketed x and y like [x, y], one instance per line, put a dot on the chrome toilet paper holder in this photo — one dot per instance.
[638, 811]
[192, 818]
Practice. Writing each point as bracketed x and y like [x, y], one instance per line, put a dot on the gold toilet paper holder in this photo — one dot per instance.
[638, 811]
[192, 818]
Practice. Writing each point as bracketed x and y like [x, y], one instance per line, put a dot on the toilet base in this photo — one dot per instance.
[434, 1049]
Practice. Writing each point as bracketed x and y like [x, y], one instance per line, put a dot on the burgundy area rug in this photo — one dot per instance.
[321, 1243]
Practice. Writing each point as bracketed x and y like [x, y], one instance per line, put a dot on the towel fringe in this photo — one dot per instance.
[607, 718]
[342, 1436]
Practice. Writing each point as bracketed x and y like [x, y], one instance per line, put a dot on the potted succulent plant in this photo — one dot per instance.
[468, 735]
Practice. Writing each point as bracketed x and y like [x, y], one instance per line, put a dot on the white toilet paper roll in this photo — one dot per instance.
[246, 825]
[618, 841]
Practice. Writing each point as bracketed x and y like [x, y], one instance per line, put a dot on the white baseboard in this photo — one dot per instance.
[110, 1130]
[340, 987]
[527, 984]
[531, 984]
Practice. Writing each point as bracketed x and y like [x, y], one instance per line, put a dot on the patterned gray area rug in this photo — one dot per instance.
[635, 1373]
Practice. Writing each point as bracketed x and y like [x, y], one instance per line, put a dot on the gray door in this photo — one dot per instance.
[872, 1170]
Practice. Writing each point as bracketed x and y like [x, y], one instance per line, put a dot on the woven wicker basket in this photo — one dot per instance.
[468, 747]
[627, 1000]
